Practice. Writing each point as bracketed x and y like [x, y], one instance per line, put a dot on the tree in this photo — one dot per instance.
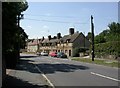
[107, 42]
[89, 36]
[100, 39]
[114, 28]
[111, 34]
[114, 32]
[13, 36]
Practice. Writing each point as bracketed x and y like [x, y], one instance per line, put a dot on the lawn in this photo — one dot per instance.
[111, 63]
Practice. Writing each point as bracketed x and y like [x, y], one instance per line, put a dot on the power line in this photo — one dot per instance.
[51, 16]
[54, 21]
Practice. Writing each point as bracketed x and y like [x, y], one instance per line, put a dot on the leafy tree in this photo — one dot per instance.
[13, 36]
[111, 34]
[100, 39]
[89, 36]
[114, 32]
[107, 42]
[114, 28]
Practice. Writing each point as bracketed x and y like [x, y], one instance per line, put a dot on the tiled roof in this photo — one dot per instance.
[50, 41]
[70, 38]
[64, 39]
[34, 41]
[45, 41]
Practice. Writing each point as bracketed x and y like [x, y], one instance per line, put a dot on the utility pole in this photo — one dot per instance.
[19, 17]
[84, 44]
[92, 30]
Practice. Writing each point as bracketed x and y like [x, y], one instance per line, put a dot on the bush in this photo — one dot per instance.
[75, 52]
[78, 50]
[11, 58]
[108, 48]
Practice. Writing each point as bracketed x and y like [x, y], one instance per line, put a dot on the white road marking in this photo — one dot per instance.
[105, 76]
[51, 84]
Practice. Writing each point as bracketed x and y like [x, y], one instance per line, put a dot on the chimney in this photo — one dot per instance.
[49, 37]
[54, 37]
[71, 31]
[58, 35]
[43, 38]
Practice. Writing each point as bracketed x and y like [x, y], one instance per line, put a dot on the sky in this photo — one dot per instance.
[49, 18]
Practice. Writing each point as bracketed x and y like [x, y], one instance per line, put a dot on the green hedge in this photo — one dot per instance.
[108, 48]
[11, 58]
[78, 50]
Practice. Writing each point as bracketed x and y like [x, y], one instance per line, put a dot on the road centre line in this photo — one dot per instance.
[105, 76]
[51, 84]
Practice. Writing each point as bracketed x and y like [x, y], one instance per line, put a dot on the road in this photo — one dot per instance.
[65, 72]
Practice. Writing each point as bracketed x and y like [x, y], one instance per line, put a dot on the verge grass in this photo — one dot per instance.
[106, 62]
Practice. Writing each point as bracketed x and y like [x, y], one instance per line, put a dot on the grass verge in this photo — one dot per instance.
[111, 63]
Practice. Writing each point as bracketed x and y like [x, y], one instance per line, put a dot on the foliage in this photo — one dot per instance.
[13, 36]
[100, 39]
[111, 34]
[89, 36]
[114, 28]
[78, 50]
[107, 42]
[109, 48]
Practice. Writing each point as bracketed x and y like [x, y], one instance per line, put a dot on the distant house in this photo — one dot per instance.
[66, 43]
[49, 44]
[74, 40]
[33, 45]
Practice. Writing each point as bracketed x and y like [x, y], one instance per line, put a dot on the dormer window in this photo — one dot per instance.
[50, 44]
[56, 43]
[67, 40]
[61, 41]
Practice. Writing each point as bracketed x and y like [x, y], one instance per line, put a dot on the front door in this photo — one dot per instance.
[69, 52]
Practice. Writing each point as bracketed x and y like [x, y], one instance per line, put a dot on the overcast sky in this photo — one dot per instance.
[49, 18]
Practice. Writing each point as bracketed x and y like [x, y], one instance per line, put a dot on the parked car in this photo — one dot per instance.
[38, 53]
[61, 55]
[44, 54]
[53, 54]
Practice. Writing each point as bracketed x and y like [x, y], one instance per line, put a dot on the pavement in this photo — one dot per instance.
[20, 77]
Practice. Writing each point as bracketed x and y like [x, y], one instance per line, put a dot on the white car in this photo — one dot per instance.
[44, 54]
[38, 53]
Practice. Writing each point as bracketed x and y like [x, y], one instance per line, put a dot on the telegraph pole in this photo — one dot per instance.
[92, 31]
[19, 17]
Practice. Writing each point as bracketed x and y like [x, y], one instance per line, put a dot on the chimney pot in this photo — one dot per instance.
[59, 35]
[49, 37]
[71, 31]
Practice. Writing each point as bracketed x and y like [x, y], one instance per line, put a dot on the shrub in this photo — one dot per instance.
[108, 48]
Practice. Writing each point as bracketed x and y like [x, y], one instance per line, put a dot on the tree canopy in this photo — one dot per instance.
[108, 41]
[110, 34]
[13, 36]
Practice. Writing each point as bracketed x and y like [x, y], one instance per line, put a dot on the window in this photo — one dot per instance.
[65, 51]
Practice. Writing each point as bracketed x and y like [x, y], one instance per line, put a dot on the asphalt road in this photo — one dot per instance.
[64, 72]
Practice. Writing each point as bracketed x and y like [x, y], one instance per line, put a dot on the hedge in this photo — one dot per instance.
[108, 48]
